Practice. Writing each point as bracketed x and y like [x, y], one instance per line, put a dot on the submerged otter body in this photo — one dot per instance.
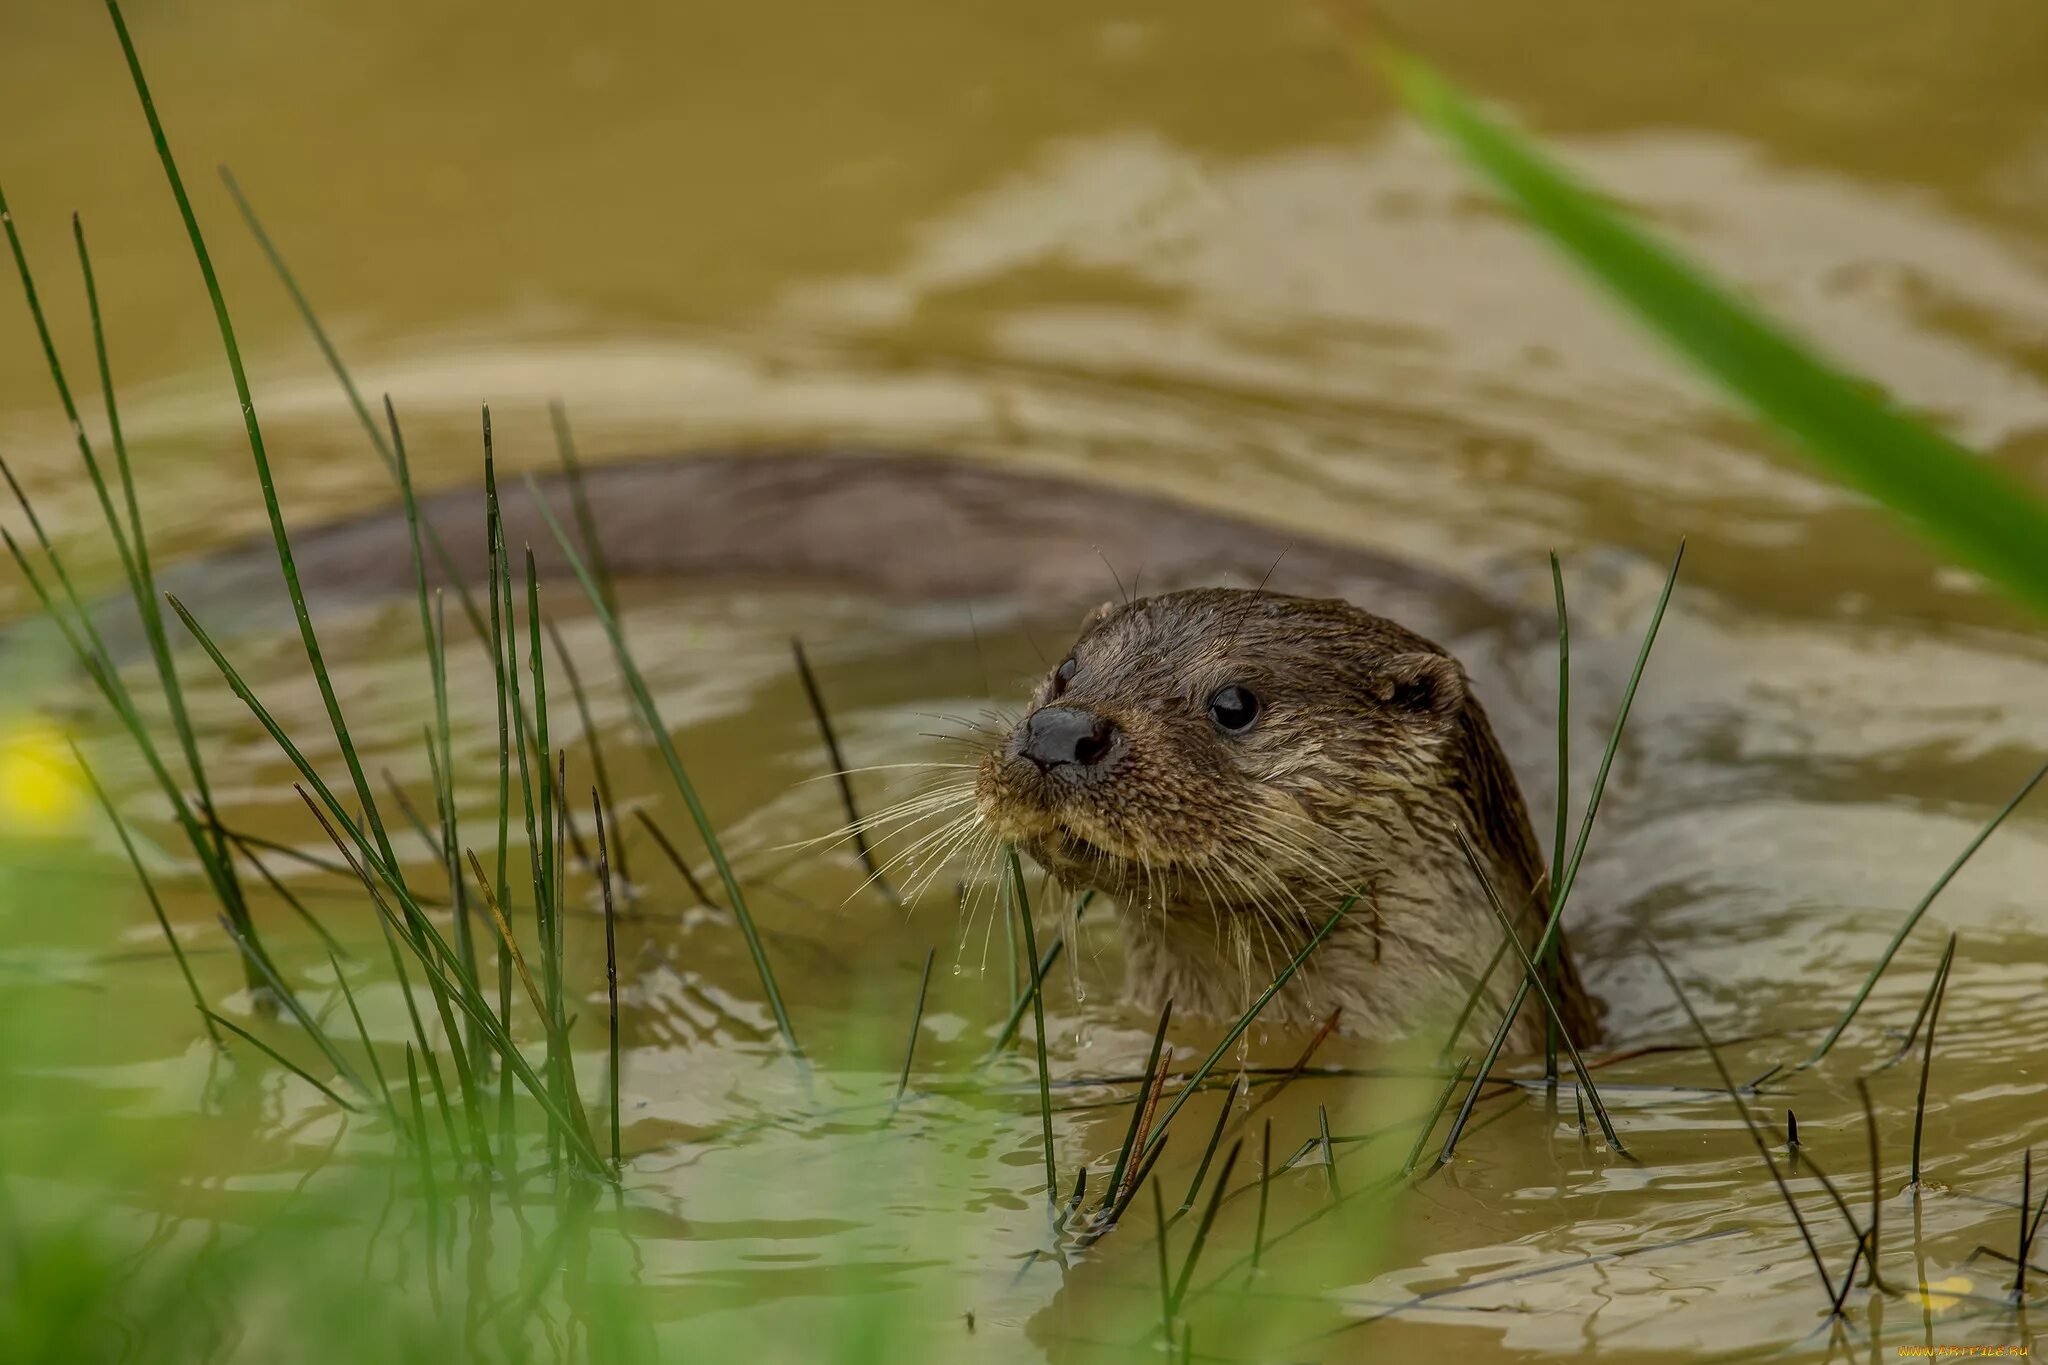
[1225, 850]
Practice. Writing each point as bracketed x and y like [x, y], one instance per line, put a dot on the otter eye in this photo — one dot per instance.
[1063, 675]
[1234, 709]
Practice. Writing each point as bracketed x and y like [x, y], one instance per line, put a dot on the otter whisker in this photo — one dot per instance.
[923, 841]
[968, 831]
[893, 817]
[881, 768]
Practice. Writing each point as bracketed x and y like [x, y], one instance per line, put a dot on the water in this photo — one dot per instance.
[1181, 247]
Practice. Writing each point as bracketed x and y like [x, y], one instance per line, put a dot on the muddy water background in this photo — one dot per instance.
[1180, 246]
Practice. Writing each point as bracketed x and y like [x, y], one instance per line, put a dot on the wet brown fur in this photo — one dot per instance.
[1226, 852]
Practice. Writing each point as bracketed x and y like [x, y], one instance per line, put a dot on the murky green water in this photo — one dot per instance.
[1180, 246]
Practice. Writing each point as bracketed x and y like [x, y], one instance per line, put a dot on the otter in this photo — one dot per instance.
[1228, 765]
[1232, 767]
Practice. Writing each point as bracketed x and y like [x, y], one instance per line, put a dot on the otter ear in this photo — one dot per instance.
[1096, 616]
[1427, 686]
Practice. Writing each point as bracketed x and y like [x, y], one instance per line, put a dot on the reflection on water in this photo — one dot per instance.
[1179, 247]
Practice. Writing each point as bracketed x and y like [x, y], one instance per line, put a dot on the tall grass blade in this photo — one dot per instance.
[133, 547]
[1329, 1152]
[1209, 1152]
[1564, 780]
[254, 431]
[1965, 504]
[501, 677]
[1165, 1275]
[611, 963]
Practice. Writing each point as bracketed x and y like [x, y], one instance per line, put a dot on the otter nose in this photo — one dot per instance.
[1061, 734]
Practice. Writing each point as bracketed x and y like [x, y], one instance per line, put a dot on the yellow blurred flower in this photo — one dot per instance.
[42, 791]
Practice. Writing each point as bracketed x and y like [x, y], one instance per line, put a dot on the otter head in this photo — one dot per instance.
[1230, 751]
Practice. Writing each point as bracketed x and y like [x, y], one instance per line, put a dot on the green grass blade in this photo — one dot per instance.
[1020, 904]
[611, 968]
[651, 715]
[254, 431]
[1961, 502]
[1209, 1152]
[1564, 779]
[494, 540]
[1912, 920]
